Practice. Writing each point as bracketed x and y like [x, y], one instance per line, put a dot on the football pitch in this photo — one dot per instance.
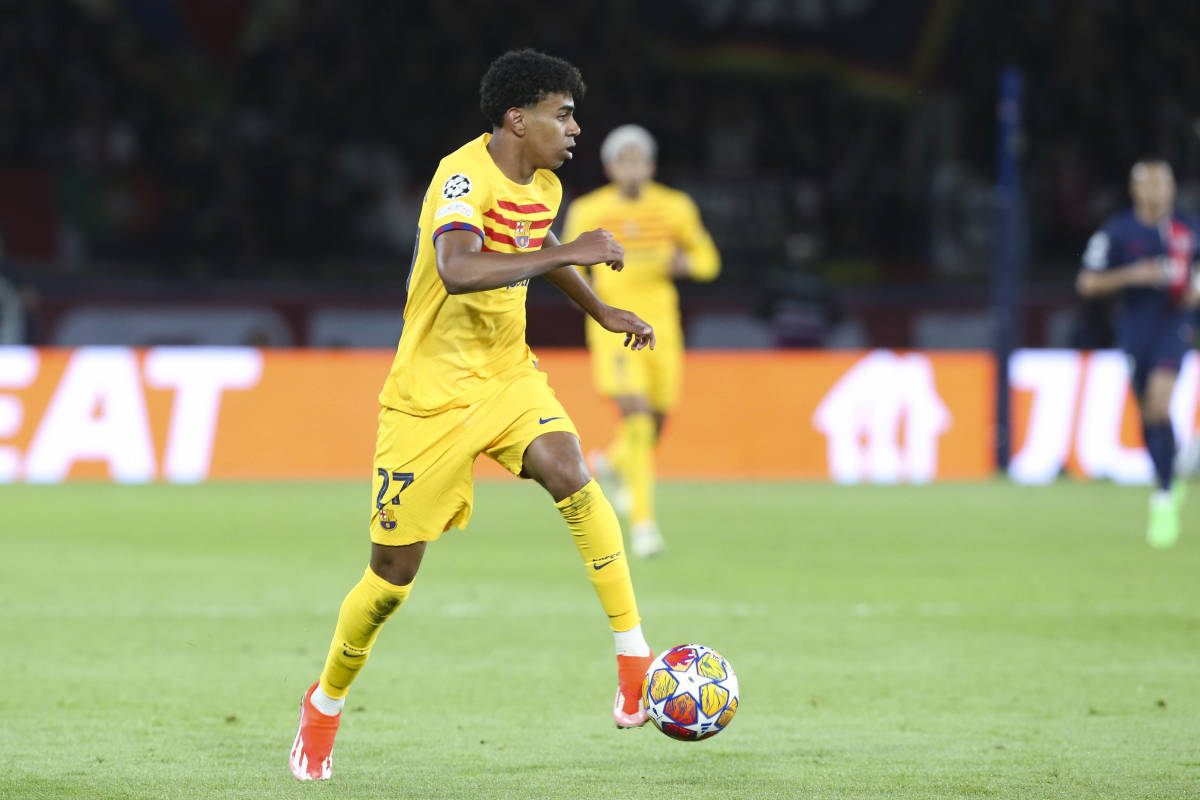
[975, 640]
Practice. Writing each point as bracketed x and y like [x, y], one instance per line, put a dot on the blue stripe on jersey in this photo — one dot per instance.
[457, 226]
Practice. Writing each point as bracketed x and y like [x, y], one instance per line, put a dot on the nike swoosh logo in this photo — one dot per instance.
[544, 420]
[348, 654]
[604, 563]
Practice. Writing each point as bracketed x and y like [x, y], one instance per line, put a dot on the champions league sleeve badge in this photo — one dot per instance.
[456, 186]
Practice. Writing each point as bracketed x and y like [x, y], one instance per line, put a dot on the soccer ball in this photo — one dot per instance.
[690, 692]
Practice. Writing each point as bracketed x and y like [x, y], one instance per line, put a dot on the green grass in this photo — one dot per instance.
[891, 642]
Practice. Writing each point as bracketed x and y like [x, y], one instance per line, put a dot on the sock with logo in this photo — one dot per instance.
[639, 466]
[1160, 443]
[597, 534]
[365, 609]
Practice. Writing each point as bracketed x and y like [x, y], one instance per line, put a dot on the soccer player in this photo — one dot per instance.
[464, 381]
[1146, 254]
[664, 241]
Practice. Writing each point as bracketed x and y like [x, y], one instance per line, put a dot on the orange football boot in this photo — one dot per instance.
[628, 711]
[312, 753]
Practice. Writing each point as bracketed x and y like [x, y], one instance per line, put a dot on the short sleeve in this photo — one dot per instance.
[1097, 253]
[704, 261]
[458, 201]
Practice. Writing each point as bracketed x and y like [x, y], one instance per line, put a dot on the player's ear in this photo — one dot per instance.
[515, 118]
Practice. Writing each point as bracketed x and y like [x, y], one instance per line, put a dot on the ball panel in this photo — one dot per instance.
[662, 685]
[727, 715]
[679, 732]
[710, 666]
[682, 709]
[713, 698]
[680, 658]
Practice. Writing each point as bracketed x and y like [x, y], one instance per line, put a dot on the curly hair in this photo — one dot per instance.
[522, 78]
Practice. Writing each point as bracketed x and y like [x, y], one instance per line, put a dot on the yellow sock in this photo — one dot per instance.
[639, 466]
[365, 609]
[597, 534]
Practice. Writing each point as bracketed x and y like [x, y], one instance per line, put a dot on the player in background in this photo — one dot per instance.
[1146, 254]
[464, 382]
[664, 241]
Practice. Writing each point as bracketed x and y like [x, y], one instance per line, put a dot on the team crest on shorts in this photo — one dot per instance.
[456, 186]
[386, 520]
[521, 235]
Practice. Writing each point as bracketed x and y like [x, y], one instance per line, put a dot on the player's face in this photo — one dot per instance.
[631, 168]
[550, 129]
[1153, 189]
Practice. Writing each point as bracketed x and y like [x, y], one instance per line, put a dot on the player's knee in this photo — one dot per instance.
[564, 477]
[1156, 408]
[395, 574]
[396, 565]
[1155, 413]
[574, 477]
[556, 461]
[1159, 387]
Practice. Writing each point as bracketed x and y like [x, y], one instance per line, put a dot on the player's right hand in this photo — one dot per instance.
[1154, 273]
[598, 247]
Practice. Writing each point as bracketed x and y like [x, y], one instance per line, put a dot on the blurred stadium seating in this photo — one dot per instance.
[265, 159]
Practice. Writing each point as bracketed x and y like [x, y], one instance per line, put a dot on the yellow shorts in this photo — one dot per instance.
[654, 374]
[423, 482]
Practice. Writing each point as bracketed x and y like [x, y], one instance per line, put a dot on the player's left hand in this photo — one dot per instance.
[680, 266]
[638, 333]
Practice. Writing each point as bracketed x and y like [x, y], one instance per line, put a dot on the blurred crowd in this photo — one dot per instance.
[1107, 82]
[289, 139]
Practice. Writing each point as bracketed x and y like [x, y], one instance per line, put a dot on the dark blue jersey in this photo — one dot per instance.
[1144, 311]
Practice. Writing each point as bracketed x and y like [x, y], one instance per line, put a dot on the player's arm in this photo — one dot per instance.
[697, 257]
[638, 333]
[1149, 272]
[1097, 278]
[572, 227]
[464, 267]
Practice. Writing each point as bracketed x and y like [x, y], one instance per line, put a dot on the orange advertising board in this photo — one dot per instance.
[194, 414]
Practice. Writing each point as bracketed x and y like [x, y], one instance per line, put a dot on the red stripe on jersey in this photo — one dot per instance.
[644, 244]
[492, 214]
[504, 238]
[624, 239]
[487, 249]
[655, 228]
[529, 208]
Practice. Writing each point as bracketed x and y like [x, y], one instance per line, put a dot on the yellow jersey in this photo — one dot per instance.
[452, 346]
[651, 227]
